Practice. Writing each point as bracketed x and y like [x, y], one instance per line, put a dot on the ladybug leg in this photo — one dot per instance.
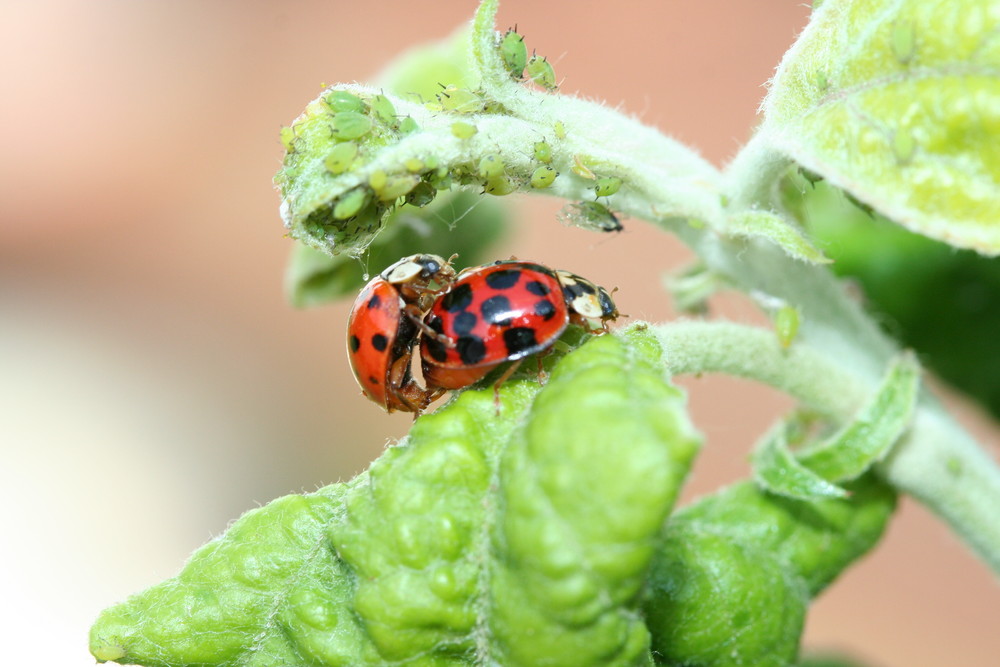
[503, 378]
[413, 312]
[543, 377]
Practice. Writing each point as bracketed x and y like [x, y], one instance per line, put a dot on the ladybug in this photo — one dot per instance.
[384, 326]
[504, 312]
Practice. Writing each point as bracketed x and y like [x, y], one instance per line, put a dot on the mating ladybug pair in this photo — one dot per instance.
[466, 324]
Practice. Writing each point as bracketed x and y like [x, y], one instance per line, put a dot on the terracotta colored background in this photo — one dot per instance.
[153, 382]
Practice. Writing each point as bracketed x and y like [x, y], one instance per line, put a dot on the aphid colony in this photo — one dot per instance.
[465, 324]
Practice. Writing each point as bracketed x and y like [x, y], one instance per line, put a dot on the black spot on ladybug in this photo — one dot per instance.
[355, 343]
[464, 323]
[503, 279]
[538, 288]
[380, 342]
[375, 301]
[545, 309]
[457, 299]
[519, 339]
[435, 347]
[496, 310]
[471, 349]
[372, 380]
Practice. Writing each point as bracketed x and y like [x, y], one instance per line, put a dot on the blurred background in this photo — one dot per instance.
[154, 383]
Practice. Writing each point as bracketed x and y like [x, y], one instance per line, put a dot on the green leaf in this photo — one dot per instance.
[456, 222]
[777, 470]
[899, 104]
[850, 452]
[731, 585]
[776, 229]
[869, 436]
[493, 534]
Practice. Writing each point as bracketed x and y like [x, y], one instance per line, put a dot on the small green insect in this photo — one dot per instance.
[378, 180]
[341, 157]
[590, 215]
[413, 165]
[460, 100]
[349, 205]
[560, 129]
[541, 73]
[903, 146]
[903, 39]
[408, 125]
[384, 110]
[786, 324]
[607, 186]
[422, 195]
[397, 186]
[499, 186]
[463, 130]
[514, 53]
[543, 177]
[543, 152]
[341, 100]
[491, 167]
[349, 125]
[288, 138]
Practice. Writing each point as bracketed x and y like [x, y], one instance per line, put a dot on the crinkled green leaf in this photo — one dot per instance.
[777, 470]
[739, 567]
[869, 436]
[455, 222]
[898, 103]
[774, 228]
[520, 537]
[849, 452]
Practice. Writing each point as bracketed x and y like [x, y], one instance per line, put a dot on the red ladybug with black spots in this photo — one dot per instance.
[384, 327]
[504, 312]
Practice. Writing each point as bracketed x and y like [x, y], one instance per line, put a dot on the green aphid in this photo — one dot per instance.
[288, 138]
[459, 100]
[903, 146]
[560, 129]
[383, 109]
[341, 100]
[349, 205]
[349, 125]
[408, 125]
[786, 324]
[463, 130]
[543, 177]
[341, 157]
[607, 186]
[499, 186]
[591, 215]
[543, 152]
[514, 53]
[378, 180]
[397, 186]
[903, 39]
[491, 167]
[541, 73]
[414, 165]
[422, 195]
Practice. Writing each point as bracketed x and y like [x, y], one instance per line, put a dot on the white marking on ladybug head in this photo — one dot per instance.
[405, 270]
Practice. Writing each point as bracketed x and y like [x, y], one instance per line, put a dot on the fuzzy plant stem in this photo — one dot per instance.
[936, 461]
